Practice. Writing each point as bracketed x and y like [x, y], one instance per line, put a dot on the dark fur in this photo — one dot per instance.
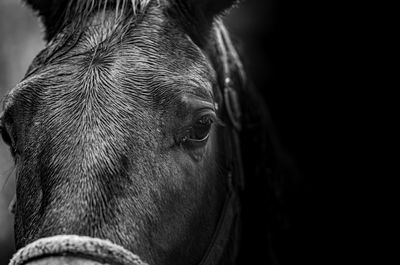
[104, 99]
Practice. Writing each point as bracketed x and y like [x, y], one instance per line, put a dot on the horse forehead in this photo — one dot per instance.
[154, 60]
[131, 73]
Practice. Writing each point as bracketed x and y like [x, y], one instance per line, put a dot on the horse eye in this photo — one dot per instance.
[200, 131]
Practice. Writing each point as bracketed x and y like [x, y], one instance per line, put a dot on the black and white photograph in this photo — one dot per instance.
[166, 132]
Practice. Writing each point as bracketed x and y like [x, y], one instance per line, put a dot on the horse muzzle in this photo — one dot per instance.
[74, 250]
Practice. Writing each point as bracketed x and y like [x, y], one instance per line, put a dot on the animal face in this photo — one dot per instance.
[114, 133]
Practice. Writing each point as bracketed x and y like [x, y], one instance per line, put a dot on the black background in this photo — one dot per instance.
[293, 55]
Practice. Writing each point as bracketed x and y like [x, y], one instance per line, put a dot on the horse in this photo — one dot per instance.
[137, 136]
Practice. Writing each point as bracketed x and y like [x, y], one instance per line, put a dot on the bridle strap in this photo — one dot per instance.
[231, 63]
[228, 223]
[230, 57]
[224, 229]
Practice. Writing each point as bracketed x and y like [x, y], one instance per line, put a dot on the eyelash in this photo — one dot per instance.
[197, 134]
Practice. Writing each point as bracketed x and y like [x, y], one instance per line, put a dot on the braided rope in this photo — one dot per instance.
[81, 246]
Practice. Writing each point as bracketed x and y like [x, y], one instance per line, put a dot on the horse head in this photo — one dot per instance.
[125, 132]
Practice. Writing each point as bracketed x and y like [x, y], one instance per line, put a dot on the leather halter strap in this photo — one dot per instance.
[228, 225]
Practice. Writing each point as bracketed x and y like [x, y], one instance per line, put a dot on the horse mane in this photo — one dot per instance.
[56, 14]
[86, 7]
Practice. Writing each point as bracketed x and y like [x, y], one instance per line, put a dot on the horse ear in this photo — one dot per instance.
[197, 16]
[209, 9]
[49, 12]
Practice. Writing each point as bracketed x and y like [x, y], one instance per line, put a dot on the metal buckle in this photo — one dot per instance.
[232, 104]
